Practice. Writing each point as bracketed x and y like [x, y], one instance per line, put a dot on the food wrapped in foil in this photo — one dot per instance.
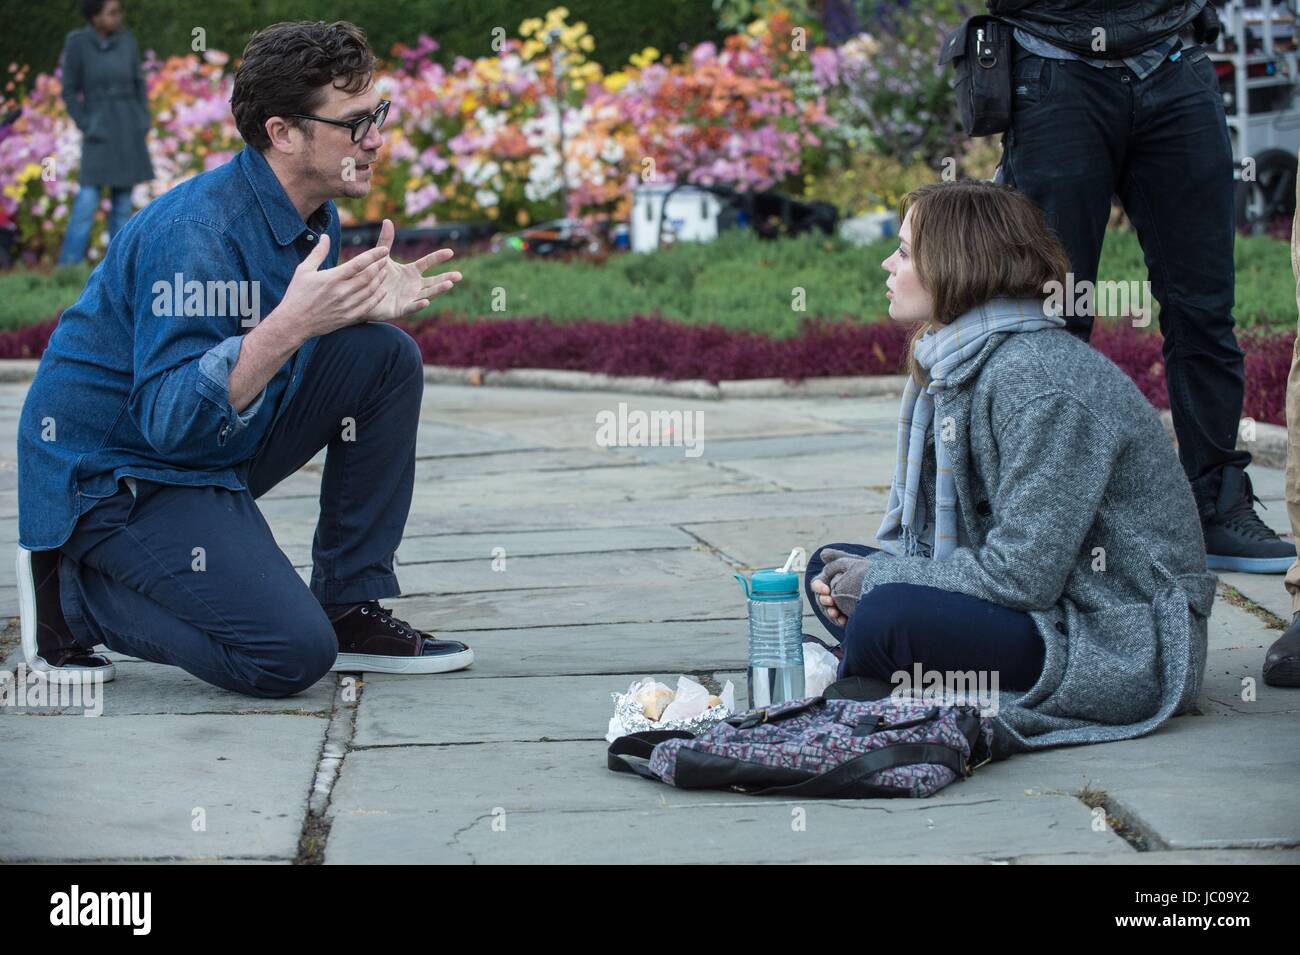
[689, 710]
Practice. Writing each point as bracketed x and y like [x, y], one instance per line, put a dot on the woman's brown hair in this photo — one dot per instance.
[973, 241]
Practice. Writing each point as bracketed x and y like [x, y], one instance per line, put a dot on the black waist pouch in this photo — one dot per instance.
[980, 52]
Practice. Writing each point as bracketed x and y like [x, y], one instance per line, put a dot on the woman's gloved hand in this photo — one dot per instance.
[839, 585]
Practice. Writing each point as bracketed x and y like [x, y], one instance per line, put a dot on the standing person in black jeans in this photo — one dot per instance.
[1117, 98]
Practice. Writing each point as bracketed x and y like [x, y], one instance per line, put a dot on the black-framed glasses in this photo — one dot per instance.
[359, 126]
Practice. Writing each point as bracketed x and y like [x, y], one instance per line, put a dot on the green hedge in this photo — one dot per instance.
[619, 29]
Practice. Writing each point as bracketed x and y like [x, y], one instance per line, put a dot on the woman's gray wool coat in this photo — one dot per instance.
[1072, 506]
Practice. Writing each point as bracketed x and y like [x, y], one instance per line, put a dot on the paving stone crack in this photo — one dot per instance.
[1235, 597]
[334, 748]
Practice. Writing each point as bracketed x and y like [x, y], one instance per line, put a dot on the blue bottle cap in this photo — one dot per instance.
[773, 585]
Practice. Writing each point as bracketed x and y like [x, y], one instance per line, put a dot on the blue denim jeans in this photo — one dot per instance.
[192, 576]
[82, 216]
[896, 626]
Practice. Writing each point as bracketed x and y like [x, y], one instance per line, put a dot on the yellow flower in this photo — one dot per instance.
[616, 81]
[469, 103]
[530, 26]
[587, 43]
[757, 28]
[533, 48]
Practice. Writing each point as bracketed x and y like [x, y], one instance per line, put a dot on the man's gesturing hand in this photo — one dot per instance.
[320, 302]
[405, 289]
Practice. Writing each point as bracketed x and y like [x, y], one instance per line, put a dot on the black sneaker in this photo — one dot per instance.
[1235, 537]
[372, 640]
[1282, 661]
[48, 644]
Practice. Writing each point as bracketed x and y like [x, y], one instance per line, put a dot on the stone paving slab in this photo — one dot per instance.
[707, 599]
[456, 547]
[569, 419]
[669, 570]
[143, 688]
[1234, 686]
[1270, 486]
[519, 462]
[874, 417]
[132, 783]
[754, 834]
[837, 469]
[402, 712]
[1201, 782]
[1232, 627]
[805, 446]
[622, 557]
[590, 487]
[690, 510]
[1177, 857]
[767, 542]
[691, 646]
[556, 809]
[303, 483]
[435, 439]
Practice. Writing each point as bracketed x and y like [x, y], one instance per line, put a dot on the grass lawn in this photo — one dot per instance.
[738, 282]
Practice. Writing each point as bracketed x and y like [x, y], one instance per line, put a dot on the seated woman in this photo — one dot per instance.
[1049, 536]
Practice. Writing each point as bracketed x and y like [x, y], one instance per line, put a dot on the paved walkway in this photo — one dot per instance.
[618, 564]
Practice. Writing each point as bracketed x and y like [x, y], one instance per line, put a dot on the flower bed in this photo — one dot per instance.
[478, 140]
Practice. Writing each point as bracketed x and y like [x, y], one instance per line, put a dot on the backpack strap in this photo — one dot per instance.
[747, 721]
[971, 726]
[639, 745]
[848, 777]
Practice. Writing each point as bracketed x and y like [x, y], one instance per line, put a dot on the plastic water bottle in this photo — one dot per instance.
[775, 637]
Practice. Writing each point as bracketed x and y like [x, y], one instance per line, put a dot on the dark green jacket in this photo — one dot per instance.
[104, 91]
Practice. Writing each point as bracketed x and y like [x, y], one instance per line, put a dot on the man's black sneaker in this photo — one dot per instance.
[1235, 537]
[1282, 661]
[372, 640]
[48, 644]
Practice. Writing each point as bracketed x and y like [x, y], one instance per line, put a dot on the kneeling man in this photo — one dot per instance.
[167, 402]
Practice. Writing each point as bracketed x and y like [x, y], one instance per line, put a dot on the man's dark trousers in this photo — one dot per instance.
[235, 613]
[1081, 134]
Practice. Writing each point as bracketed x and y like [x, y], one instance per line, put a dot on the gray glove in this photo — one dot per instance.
[844, 574]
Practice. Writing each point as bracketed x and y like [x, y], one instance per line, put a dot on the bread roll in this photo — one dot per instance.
[654, 700]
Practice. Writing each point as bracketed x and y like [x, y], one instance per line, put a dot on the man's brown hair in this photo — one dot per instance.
[285, 68]
[973, 241]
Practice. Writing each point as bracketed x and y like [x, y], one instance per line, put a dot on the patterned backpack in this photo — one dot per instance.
[819, 747]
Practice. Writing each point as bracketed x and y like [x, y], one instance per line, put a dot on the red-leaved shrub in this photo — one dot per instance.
[657, 347]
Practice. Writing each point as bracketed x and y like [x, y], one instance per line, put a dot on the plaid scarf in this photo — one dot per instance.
[941, 352]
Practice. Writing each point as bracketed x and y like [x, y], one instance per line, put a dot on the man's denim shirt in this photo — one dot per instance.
[130, 385]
